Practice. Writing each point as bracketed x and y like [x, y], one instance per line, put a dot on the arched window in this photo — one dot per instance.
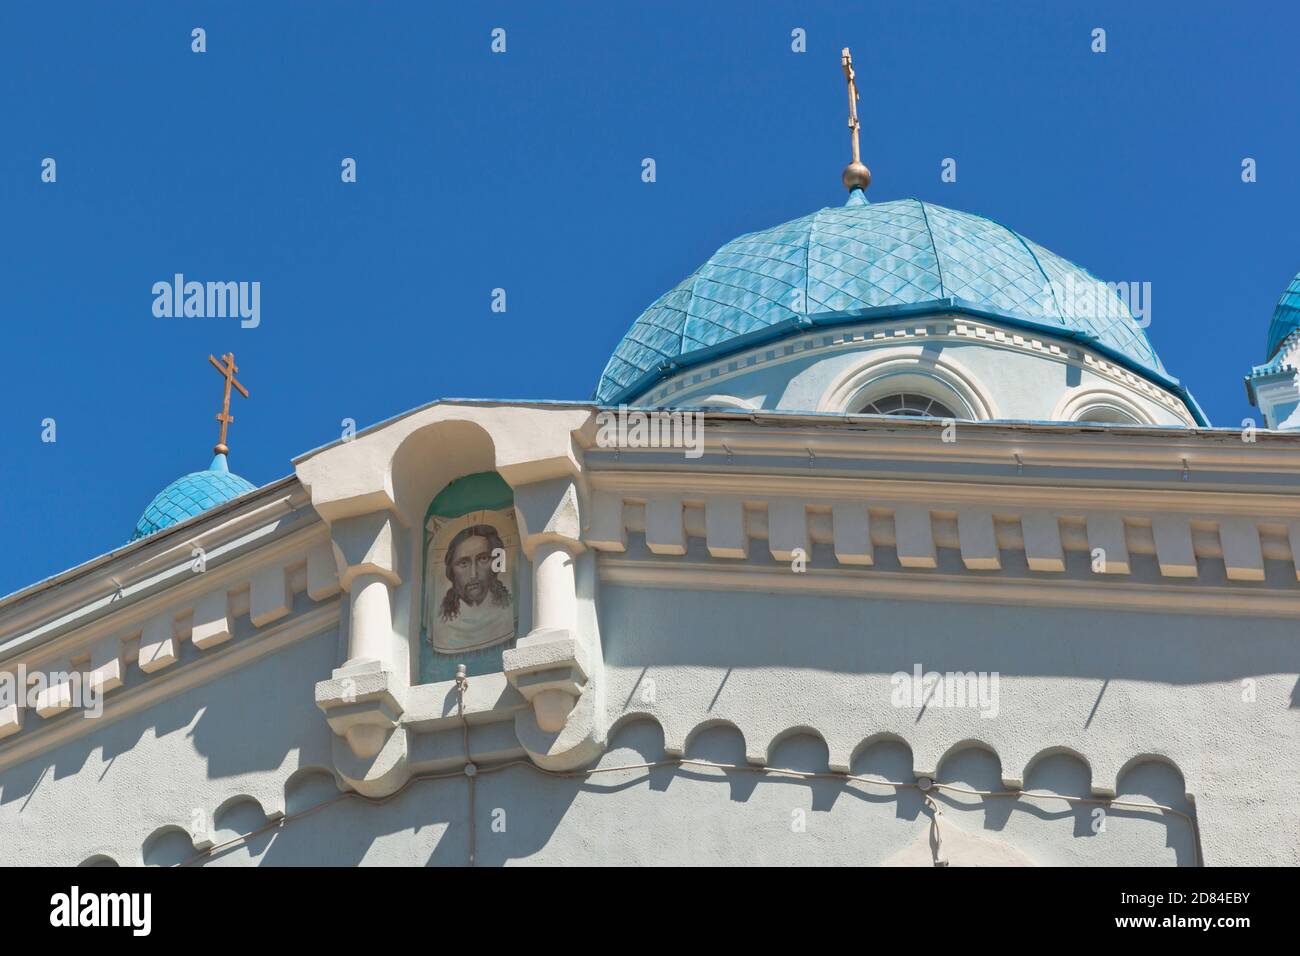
[721, 403]
[910, 404]
[906, 386]
[1100, 406]
[1107, 415]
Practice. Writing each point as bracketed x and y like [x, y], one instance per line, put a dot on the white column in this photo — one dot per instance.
[555, 603]
[363, 699]
[547, 665]
[371, 625]
[555, 608]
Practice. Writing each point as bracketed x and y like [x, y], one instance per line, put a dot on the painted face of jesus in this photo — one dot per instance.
[471, 569]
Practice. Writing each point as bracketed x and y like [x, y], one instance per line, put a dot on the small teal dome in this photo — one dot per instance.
[190, 495]
[1286, 317]
[862, 260]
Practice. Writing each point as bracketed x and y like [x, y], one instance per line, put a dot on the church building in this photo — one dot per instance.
[886, 538]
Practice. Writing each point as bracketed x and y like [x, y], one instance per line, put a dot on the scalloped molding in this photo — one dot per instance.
[1104, 778]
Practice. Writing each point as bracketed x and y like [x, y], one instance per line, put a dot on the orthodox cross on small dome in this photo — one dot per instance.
[227, 370]
[856, 175]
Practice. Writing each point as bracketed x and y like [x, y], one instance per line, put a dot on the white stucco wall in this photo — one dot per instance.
[243, 735]
[735, 670]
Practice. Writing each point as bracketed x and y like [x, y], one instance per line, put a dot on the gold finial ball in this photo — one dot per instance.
[856, 176]
[220, 449]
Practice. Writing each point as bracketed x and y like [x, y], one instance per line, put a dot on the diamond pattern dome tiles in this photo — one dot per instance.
[865, 256]
[190, 495]
[1286, 317]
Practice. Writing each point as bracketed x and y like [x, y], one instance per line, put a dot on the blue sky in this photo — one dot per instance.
[523, 171]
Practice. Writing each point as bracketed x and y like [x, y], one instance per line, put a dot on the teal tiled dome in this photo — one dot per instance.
[861, 260]
[1286, 317]
[190, 495]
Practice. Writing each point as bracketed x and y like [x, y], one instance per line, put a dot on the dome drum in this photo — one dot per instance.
[874, 263]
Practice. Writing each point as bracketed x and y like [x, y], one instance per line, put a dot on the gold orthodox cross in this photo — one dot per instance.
[856, 175]
[227, 368]
[846, 61]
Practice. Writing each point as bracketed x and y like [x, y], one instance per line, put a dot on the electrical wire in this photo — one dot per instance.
[693, 762]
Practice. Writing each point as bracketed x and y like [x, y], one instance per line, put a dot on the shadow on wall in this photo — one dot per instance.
[238, 723]
[1083, 831]
[240, 733]
[627, 810]
[650, 628]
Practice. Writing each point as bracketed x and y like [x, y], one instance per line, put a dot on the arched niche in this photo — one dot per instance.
[470, 577]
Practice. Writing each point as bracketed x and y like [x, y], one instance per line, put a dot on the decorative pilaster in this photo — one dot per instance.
[365, 548]
[362, 700]
[555, 665]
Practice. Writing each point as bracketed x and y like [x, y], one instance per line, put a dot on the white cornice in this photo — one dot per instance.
[177, 585]
[1238, 540]
[757, 444]
[939, 494]
[119, 594]
[145, 556]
